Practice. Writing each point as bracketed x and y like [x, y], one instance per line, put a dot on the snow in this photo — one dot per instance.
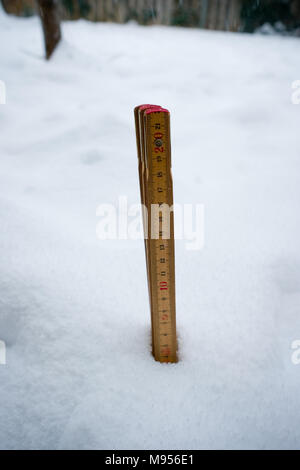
[74, 311]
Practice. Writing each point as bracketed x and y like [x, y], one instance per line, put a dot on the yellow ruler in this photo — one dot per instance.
[156, 188]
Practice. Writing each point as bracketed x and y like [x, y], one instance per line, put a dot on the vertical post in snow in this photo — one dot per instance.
[49, 14]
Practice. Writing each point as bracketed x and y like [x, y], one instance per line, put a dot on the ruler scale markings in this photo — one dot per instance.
[139, 126]
[142, 113]
[154, 153]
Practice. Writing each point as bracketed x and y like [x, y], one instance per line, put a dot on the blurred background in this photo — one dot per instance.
[224, 15]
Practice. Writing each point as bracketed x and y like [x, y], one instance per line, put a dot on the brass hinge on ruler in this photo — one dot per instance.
[156, 187]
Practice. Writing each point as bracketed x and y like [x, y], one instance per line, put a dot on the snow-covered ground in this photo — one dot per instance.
[74, 309]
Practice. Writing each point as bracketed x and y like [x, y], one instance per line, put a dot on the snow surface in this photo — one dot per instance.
[74, 309]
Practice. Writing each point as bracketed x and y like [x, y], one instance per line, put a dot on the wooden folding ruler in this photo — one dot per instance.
[154, 156]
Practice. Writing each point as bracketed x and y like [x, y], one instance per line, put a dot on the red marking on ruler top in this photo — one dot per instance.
[147, 106]
[154, 110]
